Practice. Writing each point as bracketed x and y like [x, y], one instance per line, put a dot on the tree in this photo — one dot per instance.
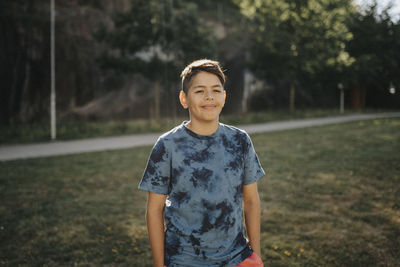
[375, 46]
[293, 40]
[22, 31]
[156, 39]
[25, 58]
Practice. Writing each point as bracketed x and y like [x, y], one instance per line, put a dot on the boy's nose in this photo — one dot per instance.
[208, 95]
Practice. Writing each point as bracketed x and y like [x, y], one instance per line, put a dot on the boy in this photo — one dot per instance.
[199, 175]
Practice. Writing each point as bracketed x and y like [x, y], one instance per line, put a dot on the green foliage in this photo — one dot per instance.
[155, 36]
[317, 44]
[299, 43]
[292, 38]
[375, 46]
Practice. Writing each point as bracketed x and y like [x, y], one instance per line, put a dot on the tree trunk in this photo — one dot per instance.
[25, 109]
[356, 96]
[14, 87]
[157, 100]
[291, 96]
[363, 98]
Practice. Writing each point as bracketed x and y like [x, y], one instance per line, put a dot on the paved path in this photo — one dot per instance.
[12, 152]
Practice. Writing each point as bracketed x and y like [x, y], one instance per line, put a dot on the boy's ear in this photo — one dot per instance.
[182, 99]
[224, 97]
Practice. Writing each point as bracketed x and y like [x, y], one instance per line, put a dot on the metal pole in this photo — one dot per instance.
[53, 73]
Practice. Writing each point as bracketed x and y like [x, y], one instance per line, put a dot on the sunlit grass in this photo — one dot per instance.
[331, 198]
[332, 195]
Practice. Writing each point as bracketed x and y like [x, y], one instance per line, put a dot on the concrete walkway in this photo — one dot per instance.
[12, 152]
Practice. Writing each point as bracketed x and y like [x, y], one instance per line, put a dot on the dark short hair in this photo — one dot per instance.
[197, 66]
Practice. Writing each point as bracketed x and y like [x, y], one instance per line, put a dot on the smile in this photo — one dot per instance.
[209, 106]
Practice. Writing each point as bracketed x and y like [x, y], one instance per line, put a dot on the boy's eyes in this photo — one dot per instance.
[201, 91]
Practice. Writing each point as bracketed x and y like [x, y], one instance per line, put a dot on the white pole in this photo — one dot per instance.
[53, 73]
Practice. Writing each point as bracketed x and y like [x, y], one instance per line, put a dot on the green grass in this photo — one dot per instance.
[67, 130]
[331, 198]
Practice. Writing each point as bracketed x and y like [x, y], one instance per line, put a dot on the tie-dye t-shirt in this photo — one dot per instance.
[203, 177]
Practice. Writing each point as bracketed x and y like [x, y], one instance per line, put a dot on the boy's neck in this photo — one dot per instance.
[203, 128]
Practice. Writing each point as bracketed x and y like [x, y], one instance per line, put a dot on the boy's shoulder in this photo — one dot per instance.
[234, 132]
[174, 132]
[225, 130]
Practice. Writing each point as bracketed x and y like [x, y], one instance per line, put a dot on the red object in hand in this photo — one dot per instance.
[252, 261]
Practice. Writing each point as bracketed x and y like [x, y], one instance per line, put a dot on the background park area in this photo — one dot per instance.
[97, 69]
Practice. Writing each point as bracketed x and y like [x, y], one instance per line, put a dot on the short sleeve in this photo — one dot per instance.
[156, 176]
[252, 167]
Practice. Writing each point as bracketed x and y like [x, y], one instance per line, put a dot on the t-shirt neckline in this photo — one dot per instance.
[199, 136]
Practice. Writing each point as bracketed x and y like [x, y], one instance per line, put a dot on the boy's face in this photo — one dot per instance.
[205, 97]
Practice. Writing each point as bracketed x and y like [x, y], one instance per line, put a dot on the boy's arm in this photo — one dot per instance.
[251, 207]
[155, 226]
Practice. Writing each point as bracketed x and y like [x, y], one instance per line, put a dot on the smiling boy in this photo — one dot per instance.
[201, 176]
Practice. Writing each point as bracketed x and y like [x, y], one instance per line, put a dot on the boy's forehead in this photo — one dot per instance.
[206, 79]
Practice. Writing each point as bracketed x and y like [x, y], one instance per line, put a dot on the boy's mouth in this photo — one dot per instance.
[208, 106]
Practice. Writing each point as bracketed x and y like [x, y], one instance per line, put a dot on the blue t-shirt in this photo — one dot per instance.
[203, 177]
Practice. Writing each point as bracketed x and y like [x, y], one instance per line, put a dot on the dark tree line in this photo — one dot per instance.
[24, 59]
[304, 49]
[300, 49]
[375, 46]
[156, 39]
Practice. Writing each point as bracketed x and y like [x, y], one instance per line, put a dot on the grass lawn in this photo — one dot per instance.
[331, 198]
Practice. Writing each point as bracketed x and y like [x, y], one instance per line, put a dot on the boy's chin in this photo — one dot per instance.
[207, 119]
[210, 120]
